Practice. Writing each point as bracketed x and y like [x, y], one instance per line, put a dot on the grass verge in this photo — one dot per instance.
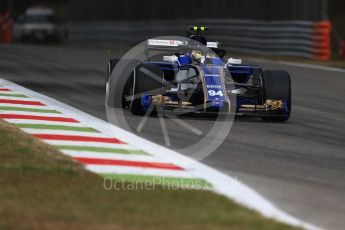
[43, 189]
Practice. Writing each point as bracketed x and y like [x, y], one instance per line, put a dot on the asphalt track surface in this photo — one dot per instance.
[298, 165]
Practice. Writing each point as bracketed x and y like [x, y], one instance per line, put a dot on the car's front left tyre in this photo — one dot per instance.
[147, 78]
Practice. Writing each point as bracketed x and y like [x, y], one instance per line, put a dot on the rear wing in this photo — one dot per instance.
[164, 43]
[179, 46]
[160, 44]
[167, 45]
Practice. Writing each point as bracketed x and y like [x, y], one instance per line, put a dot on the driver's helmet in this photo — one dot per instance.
[197, 56]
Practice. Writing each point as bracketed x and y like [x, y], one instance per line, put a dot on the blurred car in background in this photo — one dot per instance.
[38, 24]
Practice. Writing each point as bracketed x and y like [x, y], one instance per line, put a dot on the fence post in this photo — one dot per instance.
[322, 40]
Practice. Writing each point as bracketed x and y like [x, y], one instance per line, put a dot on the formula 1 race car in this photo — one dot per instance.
[194, 78]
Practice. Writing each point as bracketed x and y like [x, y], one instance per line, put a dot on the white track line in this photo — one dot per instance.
[240, 193]
[27, 121]
[140, 171]
[11, 92]
[112, 156]
[91, 144]
[30, 113]
[38, 122]
[17, 98]
[26, 106]
[63, 132]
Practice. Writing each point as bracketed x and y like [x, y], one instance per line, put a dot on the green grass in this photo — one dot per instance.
[42, 189]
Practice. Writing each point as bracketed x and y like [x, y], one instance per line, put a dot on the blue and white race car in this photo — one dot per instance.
[195, 78]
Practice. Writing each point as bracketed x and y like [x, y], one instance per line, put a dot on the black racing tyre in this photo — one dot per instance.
[126, 91]
[277, 86]
[111, 66]
[144, 82]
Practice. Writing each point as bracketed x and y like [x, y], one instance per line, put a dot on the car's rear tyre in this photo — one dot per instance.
[147, 77]
[126, 89]
[277, 86]
[111, 66]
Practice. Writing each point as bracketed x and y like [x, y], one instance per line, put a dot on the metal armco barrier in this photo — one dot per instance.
[6, 28]
[287, 38]
[134, 10]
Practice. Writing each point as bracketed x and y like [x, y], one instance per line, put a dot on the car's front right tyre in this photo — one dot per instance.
[277, 86]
